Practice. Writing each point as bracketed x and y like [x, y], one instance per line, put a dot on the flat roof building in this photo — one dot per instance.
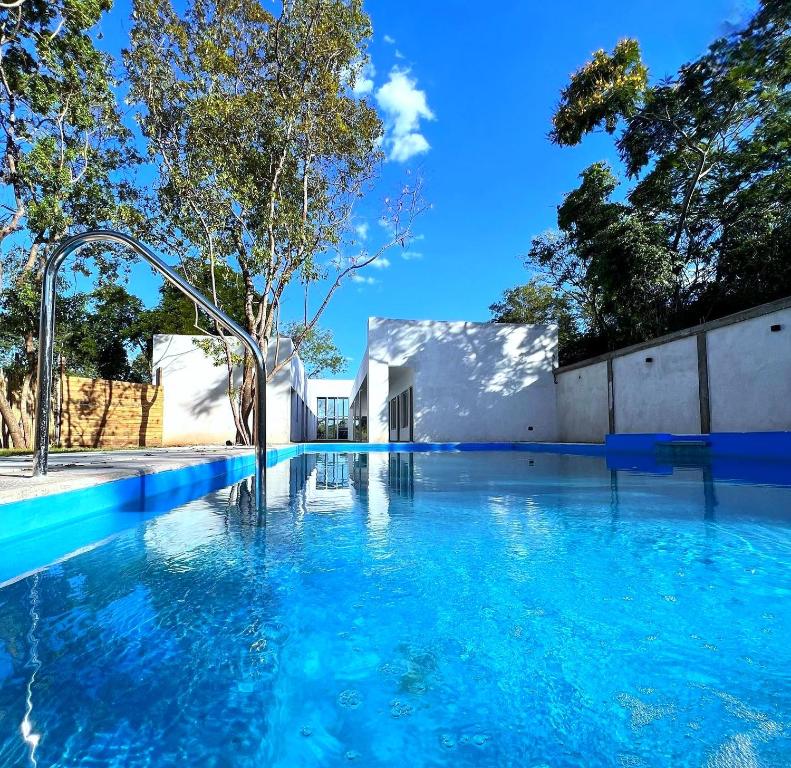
[435, 381]
[419, 380]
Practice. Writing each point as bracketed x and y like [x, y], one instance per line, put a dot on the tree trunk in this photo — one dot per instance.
[27, 400]
[679, 262]
[232, 396]
[247, 397]
[8, 417]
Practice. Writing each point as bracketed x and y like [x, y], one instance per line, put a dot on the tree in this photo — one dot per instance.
[99, 341]
[262, 151]
[318, 350]
[64, 146]
[539, 304]
[704, 229]
[611, 268]
[687, 139]
[608, 88]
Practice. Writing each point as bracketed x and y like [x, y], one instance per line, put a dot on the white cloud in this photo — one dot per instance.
[381, 263]
[389, 40]
[398, 54]
[411, 255]
[361, 230]
[363, 78]
[356, 277]
[404, 147]
[404, 106]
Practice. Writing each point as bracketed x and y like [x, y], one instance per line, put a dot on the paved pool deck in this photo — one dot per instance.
[69, 471]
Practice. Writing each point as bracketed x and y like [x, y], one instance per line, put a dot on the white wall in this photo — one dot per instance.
[583, 415]
[750, 375]
[661, 396]
[472, 381]
[399, 379]
[749, 382]
[196, 407]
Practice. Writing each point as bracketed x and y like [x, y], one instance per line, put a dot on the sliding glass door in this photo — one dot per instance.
[333, 418]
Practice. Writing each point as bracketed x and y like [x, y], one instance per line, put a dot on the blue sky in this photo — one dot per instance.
[467, 94]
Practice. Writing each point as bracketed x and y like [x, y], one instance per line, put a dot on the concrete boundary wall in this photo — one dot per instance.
[582, 404]
[729, 375]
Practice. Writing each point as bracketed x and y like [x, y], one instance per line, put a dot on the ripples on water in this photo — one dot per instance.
[500, 609]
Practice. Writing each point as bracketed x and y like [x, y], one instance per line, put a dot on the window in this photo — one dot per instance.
[404, 409]
[333, 418]
[394, 413]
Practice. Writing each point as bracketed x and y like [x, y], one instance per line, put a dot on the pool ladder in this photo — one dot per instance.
[46, 340]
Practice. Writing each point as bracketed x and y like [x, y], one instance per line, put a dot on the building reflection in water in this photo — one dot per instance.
[326, 476]
[401, 474]
[329, 481]
[332, 471]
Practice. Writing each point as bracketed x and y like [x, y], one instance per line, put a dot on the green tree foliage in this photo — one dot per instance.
[607, 88]
[175, 313]
[318, 350]
[705, 226]
[105, 335]
[262, 149]
[536, 303]
[64, 150]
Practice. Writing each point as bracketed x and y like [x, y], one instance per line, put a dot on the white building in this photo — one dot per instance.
[196, 406]
[431, 381]
[419, 380]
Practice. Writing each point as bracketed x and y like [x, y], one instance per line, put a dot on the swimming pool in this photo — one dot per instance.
[421, 609]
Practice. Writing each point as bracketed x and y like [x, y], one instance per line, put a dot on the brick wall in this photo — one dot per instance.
[96, 413]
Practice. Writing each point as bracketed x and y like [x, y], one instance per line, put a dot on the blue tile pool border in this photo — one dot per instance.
[748, 445]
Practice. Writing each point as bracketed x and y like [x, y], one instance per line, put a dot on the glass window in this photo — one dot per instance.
[333, 418]
[404, 409]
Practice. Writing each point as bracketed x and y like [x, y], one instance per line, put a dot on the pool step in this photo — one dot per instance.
[682, 447]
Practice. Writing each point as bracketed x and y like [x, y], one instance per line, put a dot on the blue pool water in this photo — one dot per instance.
[488, 609]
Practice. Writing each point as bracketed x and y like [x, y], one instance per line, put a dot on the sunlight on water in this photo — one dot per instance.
[493, 609]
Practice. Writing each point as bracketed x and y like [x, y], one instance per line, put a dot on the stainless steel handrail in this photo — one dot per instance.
[47, 337]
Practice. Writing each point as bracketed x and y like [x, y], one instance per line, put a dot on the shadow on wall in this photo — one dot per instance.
[488, 375]
[206, 401]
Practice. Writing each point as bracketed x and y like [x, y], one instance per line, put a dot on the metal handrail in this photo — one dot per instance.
[46, 341]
